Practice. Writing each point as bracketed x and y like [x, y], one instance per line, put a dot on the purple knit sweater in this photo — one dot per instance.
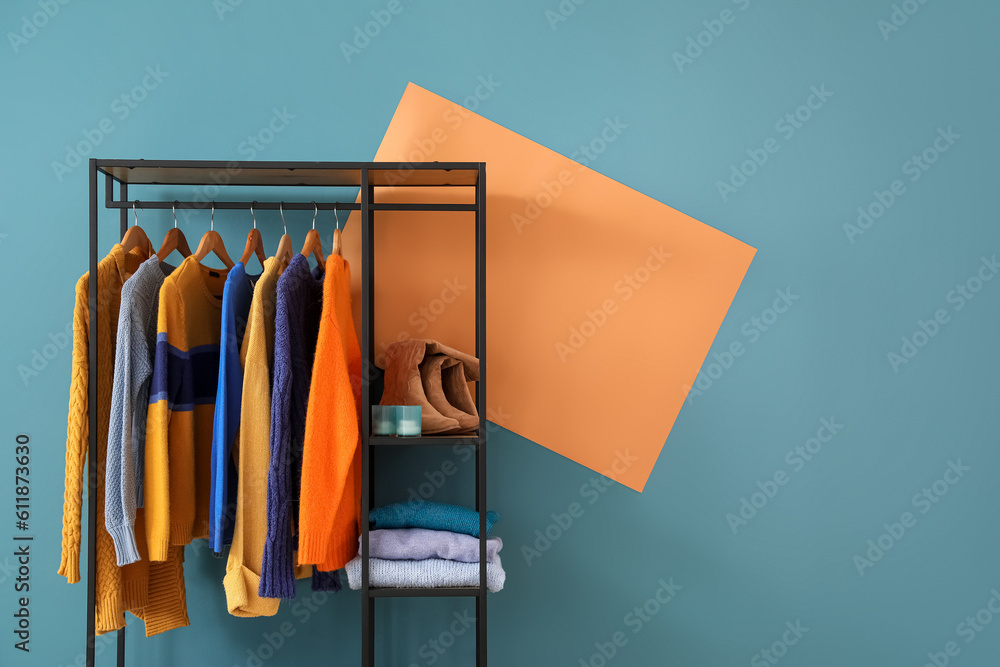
[296, 328]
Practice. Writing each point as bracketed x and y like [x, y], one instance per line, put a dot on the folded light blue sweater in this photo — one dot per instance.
[420, 543]
[429, 573]
[434, 516]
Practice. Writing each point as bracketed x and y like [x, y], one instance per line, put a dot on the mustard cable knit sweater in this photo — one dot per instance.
[155, 594]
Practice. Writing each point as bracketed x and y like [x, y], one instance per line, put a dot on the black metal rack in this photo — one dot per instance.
[368, 176]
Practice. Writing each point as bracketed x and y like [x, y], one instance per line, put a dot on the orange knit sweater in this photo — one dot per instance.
[329, 505]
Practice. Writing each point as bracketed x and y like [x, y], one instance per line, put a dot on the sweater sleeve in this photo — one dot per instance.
[77, 436]
[119, 513]
[277, 577]
[220, 447]
[328, 454]
[156, 487]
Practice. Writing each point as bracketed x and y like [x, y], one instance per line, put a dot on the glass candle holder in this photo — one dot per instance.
[408, 420]
[384, 419]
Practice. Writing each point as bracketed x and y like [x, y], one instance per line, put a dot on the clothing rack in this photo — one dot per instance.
[368, 177]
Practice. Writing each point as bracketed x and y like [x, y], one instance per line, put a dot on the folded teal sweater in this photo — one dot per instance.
[434, 516]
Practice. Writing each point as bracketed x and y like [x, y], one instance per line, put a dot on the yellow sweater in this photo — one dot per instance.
[154, 594]
[182, 407]
[253, 450]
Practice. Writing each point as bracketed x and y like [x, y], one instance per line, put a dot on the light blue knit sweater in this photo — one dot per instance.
[428, 573]
[135, 345]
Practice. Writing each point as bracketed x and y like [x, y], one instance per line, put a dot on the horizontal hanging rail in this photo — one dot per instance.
[235, 205]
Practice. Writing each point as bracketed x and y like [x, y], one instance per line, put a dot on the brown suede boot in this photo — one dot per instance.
[454, 380]
[432, 373]
[470, 362]
[403, 386]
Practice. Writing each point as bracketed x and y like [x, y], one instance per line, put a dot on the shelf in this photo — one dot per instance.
[288, 206]
[376, 206]
[464, 591]
[318, 174]
[471, 439]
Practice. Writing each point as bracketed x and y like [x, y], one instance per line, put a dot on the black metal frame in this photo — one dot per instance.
[367, 176]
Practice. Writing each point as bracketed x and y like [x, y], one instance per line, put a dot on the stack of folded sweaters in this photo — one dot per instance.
[419, 544]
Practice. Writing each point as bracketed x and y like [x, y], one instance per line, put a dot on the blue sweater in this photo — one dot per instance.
[296, 328]
[434, 516]
[236, 297]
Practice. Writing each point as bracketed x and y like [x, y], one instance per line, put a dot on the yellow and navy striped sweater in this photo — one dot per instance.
[182, 407]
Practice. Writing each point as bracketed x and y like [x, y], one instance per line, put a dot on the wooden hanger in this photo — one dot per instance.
[336, 233]
[255, 244]
[135, 237]
[313, 245]
[212, 242]
[284, 252]
[174, 240]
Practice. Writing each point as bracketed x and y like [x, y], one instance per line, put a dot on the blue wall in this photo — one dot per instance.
[830, 441]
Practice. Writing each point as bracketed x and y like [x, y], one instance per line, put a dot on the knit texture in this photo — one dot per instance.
[434, 516]
[166, 607]
[242, 580]
[420, 543]
[182, 407]
[236, 297]
[325, 581]
[330, 518]
[429, 573]
[296, 326]
[117, 589]
[136, 341]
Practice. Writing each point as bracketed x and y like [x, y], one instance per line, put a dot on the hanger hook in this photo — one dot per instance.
[252, 215]
[213, 217]
[315, 213]
[336, 214]
[173, 207]
[134, 212]
[281, 207]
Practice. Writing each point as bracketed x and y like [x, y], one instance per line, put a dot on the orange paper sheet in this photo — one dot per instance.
[602, 303]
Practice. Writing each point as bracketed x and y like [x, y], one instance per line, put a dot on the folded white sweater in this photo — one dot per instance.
[427, 573]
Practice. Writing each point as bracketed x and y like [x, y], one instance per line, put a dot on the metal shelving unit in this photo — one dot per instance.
[474, 177]
[368, 177]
